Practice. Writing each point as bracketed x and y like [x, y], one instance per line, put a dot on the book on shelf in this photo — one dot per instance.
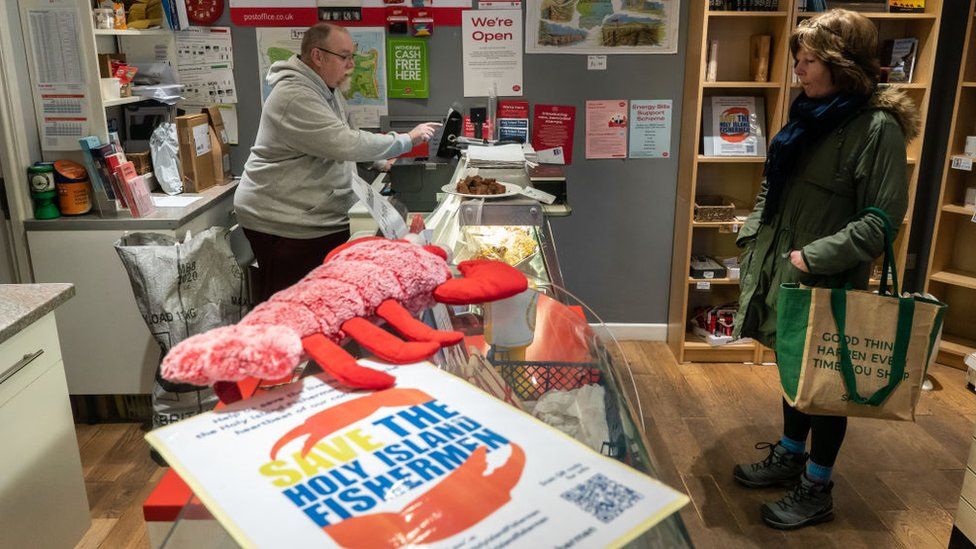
[898, 59]
[759, 45]
[743, 5]
[711, 66]
[813, 5]
[906, 6]
[873, 6]
[175, 14]
[734, 126]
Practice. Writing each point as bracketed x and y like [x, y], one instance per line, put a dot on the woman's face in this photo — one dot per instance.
[814, 75]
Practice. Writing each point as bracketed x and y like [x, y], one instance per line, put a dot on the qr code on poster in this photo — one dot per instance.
[602, 498]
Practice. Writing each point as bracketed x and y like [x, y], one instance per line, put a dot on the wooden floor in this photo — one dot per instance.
[897, 484]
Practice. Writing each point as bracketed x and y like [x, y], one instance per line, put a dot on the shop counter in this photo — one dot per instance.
[107, 348]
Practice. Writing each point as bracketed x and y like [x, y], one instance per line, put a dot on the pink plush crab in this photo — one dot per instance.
[358, 283]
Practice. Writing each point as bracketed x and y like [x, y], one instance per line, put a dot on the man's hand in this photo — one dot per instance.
[796, 258]
[423, 132]
[385, 166]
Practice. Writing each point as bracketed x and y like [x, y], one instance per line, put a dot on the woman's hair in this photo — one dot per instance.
[847, 42]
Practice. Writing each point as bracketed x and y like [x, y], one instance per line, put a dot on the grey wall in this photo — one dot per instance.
[615, 249]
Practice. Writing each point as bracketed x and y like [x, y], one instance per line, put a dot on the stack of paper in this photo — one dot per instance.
[503, 156]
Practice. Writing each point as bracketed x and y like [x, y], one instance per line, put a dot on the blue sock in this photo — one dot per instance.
[793, 446]
[818, 473]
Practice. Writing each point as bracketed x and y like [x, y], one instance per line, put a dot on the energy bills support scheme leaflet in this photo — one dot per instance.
[433, 460]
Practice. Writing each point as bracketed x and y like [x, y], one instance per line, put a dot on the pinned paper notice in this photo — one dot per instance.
[551, 156]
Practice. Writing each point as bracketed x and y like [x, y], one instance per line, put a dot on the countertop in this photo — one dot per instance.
[22, 304]
[161, 219]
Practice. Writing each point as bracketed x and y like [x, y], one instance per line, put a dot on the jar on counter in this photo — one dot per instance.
[104, 18]
[74, 188]
[42, 189]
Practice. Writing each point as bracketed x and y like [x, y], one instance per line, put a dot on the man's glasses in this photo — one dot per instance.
[345, 58]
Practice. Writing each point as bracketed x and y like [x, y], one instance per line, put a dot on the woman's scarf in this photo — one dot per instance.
[810, 119]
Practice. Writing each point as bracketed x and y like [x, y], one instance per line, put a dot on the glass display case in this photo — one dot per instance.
[542, 351]
[536, 353]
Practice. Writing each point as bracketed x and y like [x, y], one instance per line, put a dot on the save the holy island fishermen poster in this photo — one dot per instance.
[432, 461]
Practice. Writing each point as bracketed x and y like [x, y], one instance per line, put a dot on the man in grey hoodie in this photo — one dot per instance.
[296, 189]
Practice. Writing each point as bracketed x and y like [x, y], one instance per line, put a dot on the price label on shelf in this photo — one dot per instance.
[962, 163]
[703, 286]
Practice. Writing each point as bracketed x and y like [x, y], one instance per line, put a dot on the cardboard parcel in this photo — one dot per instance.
[197, 153]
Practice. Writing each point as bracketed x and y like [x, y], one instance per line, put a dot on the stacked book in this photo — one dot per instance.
[743, 5]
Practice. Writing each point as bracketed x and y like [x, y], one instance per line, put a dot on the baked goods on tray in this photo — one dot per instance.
[475, 184]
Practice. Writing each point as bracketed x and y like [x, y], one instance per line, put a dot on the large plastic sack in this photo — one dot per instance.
[183, 289]
[165, 149]
[580, 413]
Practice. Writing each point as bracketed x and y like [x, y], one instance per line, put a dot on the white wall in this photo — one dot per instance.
[19, 142]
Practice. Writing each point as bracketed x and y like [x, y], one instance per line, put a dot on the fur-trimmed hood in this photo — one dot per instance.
[900, 106]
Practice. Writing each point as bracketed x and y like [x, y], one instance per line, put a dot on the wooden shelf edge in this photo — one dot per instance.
[954, 278]
[693, 342]
[731, 159]
[882, 15]
[716, 281]
[958, 346]
[959, 209]
[717, 224]
[727, 13]
[744, 84]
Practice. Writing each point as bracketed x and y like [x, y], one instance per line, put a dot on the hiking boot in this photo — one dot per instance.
[808, 503]
[780, 468]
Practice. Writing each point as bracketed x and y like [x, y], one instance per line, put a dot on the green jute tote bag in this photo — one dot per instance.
[847, 352]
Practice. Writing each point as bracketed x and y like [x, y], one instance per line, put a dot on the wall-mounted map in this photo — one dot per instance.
[601, 26]
[366, 97]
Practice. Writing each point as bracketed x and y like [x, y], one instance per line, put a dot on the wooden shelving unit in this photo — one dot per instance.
[740, 177]
[951, 275]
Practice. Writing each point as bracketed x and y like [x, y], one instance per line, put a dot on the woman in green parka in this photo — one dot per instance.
[842, 150]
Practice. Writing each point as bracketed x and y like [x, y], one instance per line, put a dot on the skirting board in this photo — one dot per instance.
[625, 331]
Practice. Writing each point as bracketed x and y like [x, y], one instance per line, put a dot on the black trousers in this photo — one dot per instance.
[284, 261]
[826, 433]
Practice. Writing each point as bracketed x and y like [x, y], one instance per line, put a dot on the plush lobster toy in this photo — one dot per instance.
[360, 281]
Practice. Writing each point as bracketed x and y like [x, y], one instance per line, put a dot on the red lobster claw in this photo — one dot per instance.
[483, 280]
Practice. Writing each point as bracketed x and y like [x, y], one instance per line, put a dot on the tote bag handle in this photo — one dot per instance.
[903, 332]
